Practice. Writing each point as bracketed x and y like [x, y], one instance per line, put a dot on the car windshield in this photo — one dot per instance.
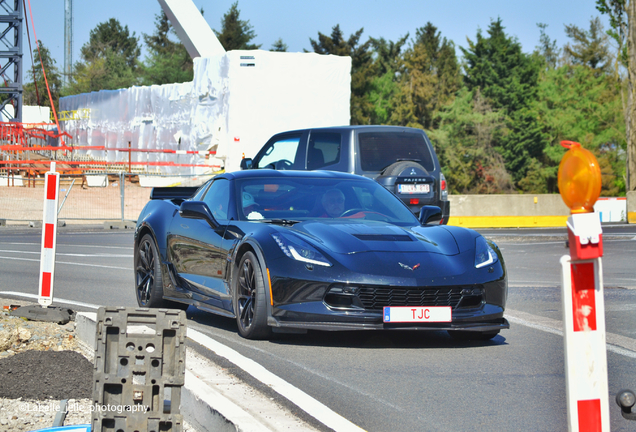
[303, 198]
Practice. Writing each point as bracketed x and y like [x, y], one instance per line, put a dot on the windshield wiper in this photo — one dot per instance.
[281, 221]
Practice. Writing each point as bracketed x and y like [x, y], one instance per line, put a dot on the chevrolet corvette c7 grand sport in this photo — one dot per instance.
[297, 250]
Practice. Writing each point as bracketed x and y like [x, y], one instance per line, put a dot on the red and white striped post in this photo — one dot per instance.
[49, 236]
[582, 295]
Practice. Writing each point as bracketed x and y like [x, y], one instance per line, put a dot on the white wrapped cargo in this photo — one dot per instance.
[235, 103]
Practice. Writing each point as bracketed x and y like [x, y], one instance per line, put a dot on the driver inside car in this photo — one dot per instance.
[333, 203]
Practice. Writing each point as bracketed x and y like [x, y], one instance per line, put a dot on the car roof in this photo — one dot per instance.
[270, 173]
[359, 128]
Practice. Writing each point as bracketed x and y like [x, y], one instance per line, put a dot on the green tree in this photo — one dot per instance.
[279, 46]
[30, 95]
[465, 141]
[575, 103]
[431, 74]
[589, 47]
[108, 37]
[622, 15]
[547, 48]
[235, 33]
[361, 68]
[384, 86]
[508, 79]
[167, 61]
[109, 60]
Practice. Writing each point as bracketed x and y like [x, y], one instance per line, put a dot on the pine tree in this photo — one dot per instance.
[279, 46]
[589, 47]
[508, 78]
[53, 76]
[235, 33]
[168, 61]
[110, 60]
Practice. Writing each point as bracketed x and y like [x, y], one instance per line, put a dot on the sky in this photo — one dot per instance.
[296, 21]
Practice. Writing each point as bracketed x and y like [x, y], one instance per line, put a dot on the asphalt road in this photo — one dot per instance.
[395, 381]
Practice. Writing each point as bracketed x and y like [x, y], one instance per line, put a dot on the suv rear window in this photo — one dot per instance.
[378, 150]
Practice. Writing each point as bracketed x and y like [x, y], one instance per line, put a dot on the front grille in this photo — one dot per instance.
[375, 298]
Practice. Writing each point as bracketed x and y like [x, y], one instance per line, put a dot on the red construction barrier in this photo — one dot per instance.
[49, 236]
[579, 181]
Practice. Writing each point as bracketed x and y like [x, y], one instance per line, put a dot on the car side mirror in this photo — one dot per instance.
[247, 163]
[430, 214]
[197, 210]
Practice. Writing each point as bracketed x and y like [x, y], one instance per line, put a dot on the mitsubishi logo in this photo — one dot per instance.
[413, 172]
[404, 266]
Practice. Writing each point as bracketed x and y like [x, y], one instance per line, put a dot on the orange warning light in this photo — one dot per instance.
[579, 178]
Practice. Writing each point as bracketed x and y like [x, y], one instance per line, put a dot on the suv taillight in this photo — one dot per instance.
[443, 189]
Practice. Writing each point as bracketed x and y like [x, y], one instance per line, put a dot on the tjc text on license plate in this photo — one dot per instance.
[414, 188]
[417, 314]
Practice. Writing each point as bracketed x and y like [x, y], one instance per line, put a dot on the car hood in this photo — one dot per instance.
[372, 236]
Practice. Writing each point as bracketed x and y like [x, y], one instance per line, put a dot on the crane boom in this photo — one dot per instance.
[193, 31]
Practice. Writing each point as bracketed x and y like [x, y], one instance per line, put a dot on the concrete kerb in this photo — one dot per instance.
[206, 402]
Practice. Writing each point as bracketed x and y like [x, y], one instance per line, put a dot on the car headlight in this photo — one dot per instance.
[300, 250]
[484, 254]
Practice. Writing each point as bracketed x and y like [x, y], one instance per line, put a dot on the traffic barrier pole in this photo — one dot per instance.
[579, 182]
[584, 322]
[49, 236]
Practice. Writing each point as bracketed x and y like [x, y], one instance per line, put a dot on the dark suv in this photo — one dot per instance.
[401, 159]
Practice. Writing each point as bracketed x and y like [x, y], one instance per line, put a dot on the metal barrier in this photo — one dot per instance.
[98, 197]
[139, 369]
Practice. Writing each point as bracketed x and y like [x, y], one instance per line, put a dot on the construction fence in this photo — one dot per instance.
[83, 198]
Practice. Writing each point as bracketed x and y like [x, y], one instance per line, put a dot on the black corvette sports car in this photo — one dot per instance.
[287, 251]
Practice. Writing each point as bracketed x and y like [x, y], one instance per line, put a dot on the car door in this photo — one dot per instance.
[199, 252]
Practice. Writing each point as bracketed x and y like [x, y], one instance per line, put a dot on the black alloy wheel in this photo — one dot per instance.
[250, 304]
[148, 283]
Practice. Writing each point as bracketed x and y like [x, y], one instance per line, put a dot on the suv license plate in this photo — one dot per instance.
[414, 188]
[401, 314]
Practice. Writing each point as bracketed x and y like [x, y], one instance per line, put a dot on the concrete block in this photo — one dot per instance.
[119, 225]
[631, 207]
[97, 180]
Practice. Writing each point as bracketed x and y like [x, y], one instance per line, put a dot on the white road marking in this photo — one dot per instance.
[68, 245]
[69, 263]
[55, 299]
[69, 254]
[615, 343]
[314, 372]
[305, 402]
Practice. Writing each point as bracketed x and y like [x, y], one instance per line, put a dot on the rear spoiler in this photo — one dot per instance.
[181, 192]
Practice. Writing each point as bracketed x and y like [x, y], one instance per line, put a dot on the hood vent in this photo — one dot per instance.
[384, 237]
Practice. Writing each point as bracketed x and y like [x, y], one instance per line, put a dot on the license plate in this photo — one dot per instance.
[414, 188]
[406, 314]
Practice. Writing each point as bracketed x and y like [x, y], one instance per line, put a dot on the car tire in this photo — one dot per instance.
[249, 299]
[148, 280]
[462, 335]
[397, 168]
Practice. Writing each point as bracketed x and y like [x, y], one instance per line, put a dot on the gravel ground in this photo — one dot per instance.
[42, 363]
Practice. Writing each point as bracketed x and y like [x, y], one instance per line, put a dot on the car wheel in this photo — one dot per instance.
[148, 282]
[472, 335]
[250, 303]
